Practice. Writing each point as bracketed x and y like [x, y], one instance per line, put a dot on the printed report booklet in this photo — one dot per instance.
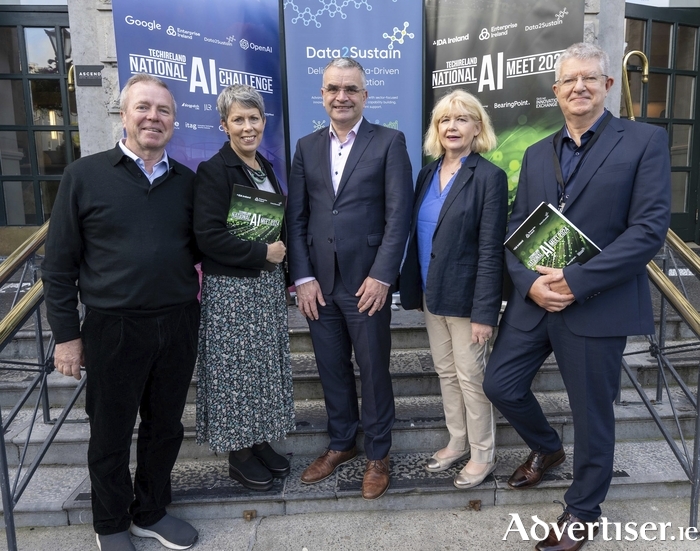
[255, 215]
[548, 238]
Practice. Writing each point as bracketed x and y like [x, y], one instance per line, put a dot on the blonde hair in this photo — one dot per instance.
[459, 102]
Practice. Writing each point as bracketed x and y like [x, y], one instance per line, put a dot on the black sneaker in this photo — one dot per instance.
[249, 471]
[277, 464]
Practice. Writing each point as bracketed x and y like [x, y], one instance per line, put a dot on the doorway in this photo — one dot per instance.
[669, 38]
[38, 115]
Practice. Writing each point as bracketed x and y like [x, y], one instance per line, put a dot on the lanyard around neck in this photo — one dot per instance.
[557, 164]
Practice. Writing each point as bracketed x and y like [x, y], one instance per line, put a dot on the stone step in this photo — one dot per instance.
[23, 345]
[408, 331]
[419, 427]
[60, 495]
[412, 373]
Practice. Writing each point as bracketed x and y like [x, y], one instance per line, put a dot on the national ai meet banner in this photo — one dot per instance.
[384, 36]
[503, 52]
[198, 49]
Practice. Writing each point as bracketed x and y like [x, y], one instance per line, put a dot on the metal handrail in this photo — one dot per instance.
[686, 254]
[12, 263]
[12, 322]
[689, 314]
[681, 304]
[19, 314]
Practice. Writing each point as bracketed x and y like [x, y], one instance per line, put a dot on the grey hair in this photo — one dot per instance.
[346, 63]
[243, 95]
[583, 51]
[142, 77]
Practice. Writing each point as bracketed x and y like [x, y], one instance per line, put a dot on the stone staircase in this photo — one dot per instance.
[59, 494]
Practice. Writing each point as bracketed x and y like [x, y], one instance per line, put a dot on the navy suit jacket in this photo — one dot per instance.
[621, 200]
[365, 224]
[466, 268]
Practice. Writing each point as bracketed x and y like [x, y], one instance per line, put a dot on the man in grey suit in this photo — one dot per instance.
[349, 209]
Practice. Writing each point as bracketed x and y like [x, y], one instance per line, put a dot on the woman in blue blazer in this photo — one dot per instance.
[453, 271]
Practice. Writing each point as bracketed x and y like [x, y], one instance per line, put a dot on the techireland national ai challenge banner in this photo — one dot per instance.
[502, 51]
[199, 49]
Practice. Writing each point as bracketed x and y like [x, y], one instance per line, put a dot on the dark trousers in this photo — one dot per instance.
[590, 368]
[339, 329]
[136, 365]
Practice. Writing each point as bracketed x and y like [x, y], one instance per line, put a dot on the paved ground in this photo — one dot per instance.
[439, 530]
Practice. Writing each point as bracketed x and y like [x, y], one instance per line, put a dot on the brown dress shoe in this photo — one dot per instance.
[376, 480]
[322, 467]
[530, 473]
[583, 532]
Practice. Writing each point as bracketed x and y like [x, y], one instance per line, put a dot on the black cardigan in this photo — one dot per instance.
[224, 253]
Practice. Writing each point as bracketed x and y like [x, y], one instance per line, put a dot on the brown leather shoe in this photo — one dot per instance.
[376, 480]
[325, 465]
[581, 534]
[530, 473]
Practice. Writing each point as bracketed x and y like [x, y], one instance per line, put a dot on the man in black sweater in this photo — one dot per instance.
[121, 227]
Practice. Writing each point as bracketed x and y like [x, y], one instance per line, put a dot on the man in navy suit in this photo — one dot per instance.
[349, 209]
[611, 178]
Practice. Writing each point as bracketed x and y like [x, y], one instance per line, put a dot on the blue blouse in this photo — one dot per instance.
[428, 215]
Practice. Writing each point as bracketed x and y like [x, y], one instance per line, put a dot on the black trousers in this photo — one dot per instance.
[136, 365]
[590, 368]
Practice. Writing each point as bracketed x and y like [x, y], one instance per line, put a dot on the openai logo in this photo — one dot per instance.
[243, 43]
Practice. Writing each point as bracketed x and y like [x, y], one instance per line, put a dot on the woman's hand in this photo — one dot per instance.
[276, 252]
[481, 333]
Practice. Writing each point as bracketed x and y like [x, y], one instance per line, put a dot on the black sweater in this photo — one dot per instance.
[224, 253]
[129, 245]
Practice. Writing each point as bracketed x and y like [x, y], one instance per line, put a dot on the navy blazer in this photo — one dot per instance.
[365, 224]
[621, 200]
[466, 265]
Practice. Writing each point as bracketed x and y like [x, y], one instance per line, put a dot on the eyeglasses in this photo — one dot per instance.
[566, 82]
[350, 91]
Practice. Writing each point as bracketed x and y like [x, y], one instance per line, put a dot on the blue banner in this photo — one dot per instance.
[199, 49]
[384, 36]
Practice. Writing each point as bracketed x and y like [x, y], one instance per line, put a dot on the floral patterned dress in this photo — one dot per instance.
[244, 392]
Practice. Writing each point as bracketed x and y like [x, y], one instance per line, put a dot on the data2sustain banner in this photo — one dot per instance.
[503, 52]
[384, 36]
[199, 49]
